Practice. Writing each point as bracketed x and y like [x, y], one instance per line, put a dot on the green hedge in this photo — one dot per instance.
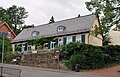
[88, 56]
[9, 56]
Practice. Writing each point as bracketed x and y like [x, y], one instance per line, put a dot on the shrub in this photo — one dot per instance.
[76, 59]
[39, 47]
[69, 49]
[9, 56]
[114, 52]
[90, 57]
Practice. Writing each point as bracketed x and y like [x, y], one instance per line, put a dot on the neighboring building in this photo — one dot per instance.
[114, 37]
[4, 27]
[59, 33]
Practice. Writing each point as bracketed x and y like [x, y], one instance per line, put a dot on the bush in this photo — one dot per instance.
[39, 47]
[114, 52]
[76, 59]
[90, 57]
[9, 56]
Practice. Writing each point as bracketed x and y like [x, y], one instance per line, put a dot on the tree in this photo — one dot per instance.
[108, 12]
[3, 15]
[14, 16]
[7, 45]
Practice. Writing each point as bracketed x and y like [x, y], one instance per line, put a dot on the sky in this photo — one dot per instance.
[40, 11]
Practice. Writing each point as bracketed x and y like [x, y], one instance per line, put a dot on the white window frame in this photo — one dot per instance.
[60, 29]
[35, 33]
[52, 45]
[69, 39]
[60, 42]
[78, 38]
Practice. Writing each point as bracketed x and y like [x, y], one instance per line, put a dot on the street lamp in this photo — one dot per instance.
[3, 34]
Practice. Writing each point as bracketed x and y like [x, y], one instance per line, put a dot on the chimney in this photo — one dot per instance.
[78, 15]
[52, 20]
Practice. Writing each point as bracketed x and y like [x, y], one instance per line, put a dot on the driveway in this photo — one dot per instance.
[45, 72]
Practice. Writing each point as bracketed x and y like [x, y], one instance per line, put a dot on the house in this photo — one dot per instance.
[4, 27]
[78, 29]
[114, 37]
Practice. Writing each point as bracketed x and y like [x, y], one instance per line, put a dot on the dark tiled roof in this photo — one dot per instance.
[73, 25]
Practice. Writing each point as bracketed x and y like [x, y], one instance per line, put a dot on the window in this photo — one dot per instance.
[69, 39]
[64, 40]
[35, 33]
[46, 45]
[78, 38]
[8, 35]
[60, 41]
[61, 28]
[74, 38]
[83, 38]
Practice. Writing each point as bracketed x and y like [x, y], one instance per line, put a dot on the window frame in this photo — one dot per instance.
[61, 28]
[34, 33]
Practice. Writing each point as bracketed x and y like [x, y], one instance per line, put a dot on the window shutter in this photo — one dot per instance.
[56, 42]
[73, 38]
[25, 47]
[64, 41]
[83, 38]
[49, 43]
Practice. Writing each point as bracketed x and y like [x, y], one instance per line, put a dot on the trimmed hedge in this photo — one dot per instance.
[88, 56]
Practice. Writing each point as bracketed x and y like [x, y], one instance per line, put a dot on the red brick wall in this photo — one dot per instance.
[4, 28]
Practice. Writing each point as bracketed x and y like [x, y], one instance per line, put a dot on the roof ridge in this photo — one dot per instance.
[60, 21]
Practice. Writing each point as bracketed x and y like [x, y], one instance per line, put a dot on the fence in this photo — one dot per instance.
[13, 72]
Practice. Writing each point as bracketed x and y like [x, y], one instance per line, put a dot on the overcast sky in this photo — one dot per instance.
[40, 11]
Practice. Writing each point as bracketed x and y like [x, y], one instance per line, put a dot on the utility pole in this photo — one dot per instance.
[3, 34]
[3, 37]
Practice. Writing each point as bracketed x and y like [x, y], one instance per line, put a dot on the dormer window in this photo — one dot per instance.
[61, 28]
[35, 33]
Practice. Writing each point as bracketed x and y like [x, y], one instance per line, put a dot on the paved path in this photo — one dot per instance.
[44, 72]
[115, 71]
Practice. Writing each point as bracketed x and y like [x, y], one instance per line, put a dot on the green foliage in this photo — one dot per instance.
[9, 56]
[88, 56]
[31, 42]
[7, 46]
[18, 48]
[7, 49]
[38, 42]
[108, 12]
[114, 52]
[69, 49]
[39, 47]
[14, 16]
